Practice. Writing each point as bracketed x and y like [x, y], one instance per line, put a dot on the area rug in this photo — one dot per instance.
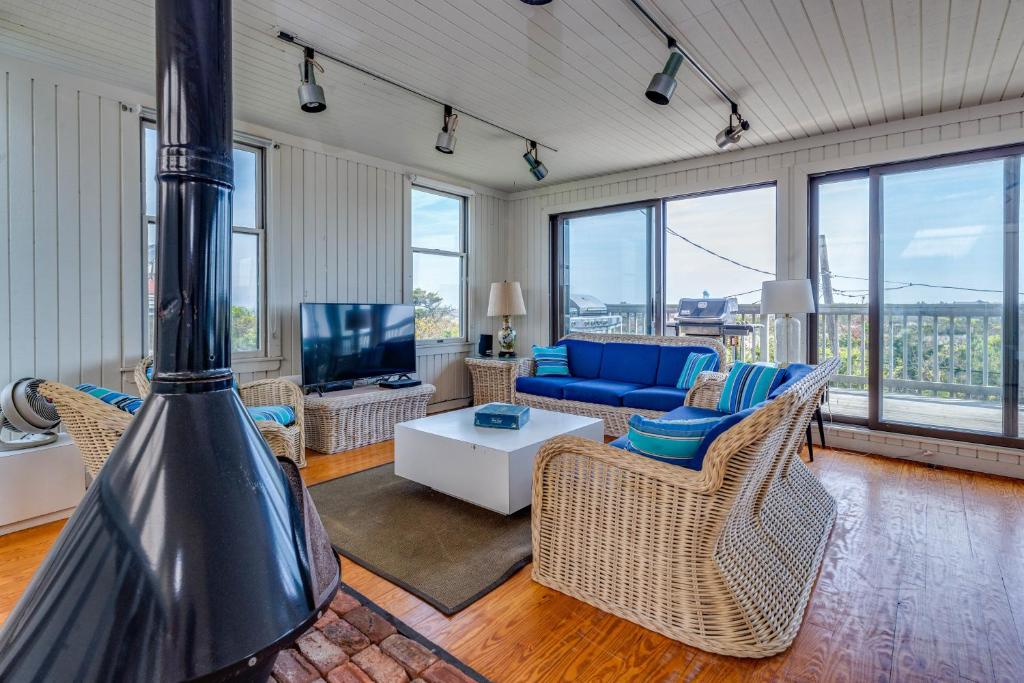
[356, 639]
[445, 551]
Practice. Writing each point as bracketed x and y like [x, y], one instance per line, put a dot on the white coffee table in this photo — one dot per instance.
[492, 468]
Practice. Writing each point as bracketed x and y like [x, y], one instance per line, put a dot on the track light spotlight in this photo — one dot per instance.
[663, 84]
[446, 138]
[311, 95]
[732, 133]
[536, 2]
[538, 169]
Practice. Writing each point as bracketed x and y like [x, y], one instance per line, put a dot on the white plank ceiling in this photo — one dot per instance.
[571, 74]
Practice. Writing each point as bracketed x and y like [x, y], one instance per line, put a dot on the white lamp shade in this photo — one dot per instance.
[787, 296]
[506, 299]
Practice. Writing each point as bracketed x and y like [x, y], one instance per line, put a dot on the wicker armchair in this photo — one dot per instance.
[723, 559]
[289, 442]
[94, 426]
[616, 418]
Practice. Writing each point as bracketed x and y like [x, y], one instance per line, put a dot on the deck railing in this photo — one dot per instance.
[937, 350]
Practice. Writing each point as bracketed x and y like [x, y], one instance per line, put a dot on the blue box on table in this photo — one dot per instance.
[501, 416]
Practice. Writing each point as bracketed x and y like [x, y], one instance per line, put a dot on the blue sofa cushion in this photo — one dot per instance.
[126, 402]
[671, 360]
[602, 391]
[724, 423]
[584, 357]
[655, 398]
[552, 361]
[696, 363]
[790, 375]
[634, 363]
[284, 415]
[544, 386]
[673, 441]
[747, 384]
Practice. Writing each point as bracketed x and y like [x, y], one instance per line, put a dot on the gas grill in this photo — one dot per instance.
[710, 318]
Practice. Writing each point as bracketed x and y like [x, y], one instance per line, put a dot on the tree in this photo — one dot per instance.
[244, 329]
[434, 318]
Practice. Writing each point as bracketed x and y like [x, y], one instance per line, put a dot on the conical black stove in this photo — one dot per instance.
[195, 554]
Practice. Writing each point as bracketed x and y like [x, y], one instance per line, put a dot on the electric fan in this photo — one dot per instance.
[27, 418]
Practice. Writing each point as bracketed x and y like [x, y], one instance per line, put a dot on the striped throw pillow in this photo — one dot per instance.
[126, 402]
[551, 361]
[696, 363]
[671, 441]
[284, 415]
[747, 384]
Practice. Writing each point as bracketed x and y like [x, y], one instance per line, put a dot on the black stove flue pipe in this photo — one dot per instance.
[193, 555]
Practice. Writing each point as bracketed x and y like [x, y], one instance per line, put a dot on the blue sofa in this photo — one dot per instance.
[617, 378]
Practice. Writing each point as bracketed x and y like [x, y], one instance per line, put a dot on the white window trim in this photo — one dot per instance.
[463, 194]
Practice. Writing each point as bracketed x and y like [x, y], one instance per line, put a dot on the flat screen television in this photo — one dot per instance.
[342, 343]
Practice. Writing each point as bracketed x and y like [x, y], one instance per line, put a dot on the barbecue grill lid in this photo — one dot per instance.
[707, 310]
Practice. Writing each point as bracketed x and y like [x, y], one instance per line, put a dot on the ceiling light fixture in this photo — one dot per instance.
[446, 138]
[731, 134]
[538, 169]
[536, 2]
[663, 84]
[317, 96]
[311, 95]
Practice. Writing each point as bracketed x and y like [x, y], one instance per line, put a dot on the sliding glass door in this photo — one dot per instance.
[605, 270]
[938, 303]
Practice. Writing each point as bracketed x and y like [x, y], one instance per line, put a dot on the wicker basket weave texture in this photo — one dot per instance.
[341, 422]
[284, 441]
[723, 559]
[616, 418]
[94, 426]
[493, 380]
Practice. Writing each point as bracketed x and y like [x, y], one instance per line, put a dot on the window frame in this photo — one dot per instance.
[260, 148]
[462, 254]
[1011, 435]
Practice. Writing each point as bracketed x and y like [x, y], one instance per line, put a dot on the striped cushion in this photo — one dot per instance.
[667, 440]
[696, 363]
[748, 384]
[551, 360]
[126, 402]
[284, 415]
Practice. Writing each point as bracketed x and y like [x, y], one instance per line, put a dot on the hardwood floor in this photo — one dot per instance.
[923, 579]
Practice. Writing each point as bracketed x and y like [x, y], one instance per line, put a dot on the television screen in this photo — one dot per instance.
[345, 342]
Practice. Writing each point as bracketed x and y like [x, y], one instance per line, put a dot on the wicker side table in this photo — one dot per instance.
[343, 420]
[494, 377]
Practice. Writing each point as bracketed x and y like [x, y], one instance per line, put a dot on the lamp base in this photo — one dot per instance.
[506, 339]
[787, 340]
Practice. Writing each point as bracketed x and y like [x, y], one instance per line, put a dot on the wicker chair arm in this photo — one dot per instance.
[582, 450]
[139, 374]
[272, 392]
[706, 390]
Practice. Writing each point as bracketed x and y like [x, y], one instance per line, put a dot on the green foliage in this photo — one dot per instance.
[244, 329]
[434, 318]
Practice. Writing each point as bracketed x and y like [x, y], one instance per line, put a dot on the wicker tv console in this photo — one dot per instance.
[343, 420]
[615, 418]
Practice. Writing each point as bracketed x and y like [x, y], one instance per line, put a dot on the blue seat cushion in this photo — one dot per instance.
[584, 357]
[672, 359]
[126, 402]
[284, 415]
[602, 391]
[550, 386]
[633, 363]
[655, 398]
[790, 375]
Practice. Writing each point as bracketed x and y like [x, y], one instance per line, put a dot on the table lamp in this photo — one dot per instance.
[784, 299]
[506, 300]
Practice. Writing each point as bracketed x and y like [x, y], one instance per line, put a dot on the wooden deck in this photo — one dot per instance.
[921, 581]
[973, 415]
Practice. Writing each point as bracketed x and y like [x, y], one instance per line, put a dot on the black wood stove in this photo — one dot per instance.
[195, 554]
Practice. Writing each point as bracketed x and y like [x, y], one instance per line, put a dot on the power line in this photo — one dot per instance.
[716, 254]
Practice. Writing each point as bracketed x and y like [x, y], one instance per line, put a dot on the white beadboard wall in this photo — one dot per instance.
[789, 164]
[71, 250]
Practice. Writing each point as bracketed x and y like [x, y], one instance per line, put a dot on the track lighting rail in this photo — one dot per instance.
[673, 44]
[289, 38]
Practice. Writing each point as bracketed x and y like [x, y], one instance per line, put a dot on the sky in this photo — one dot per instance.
[436, 224]
[942, 226]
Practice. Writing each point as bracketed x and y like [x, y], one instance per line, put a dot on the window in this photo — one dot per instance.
[438, 264]
[917, 272]
[624, 269]
[248, 246]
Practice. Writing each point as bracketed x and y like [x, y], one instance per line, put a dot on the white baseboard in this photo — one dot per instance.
[35, 521]
[998, 460]
[452, 404]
